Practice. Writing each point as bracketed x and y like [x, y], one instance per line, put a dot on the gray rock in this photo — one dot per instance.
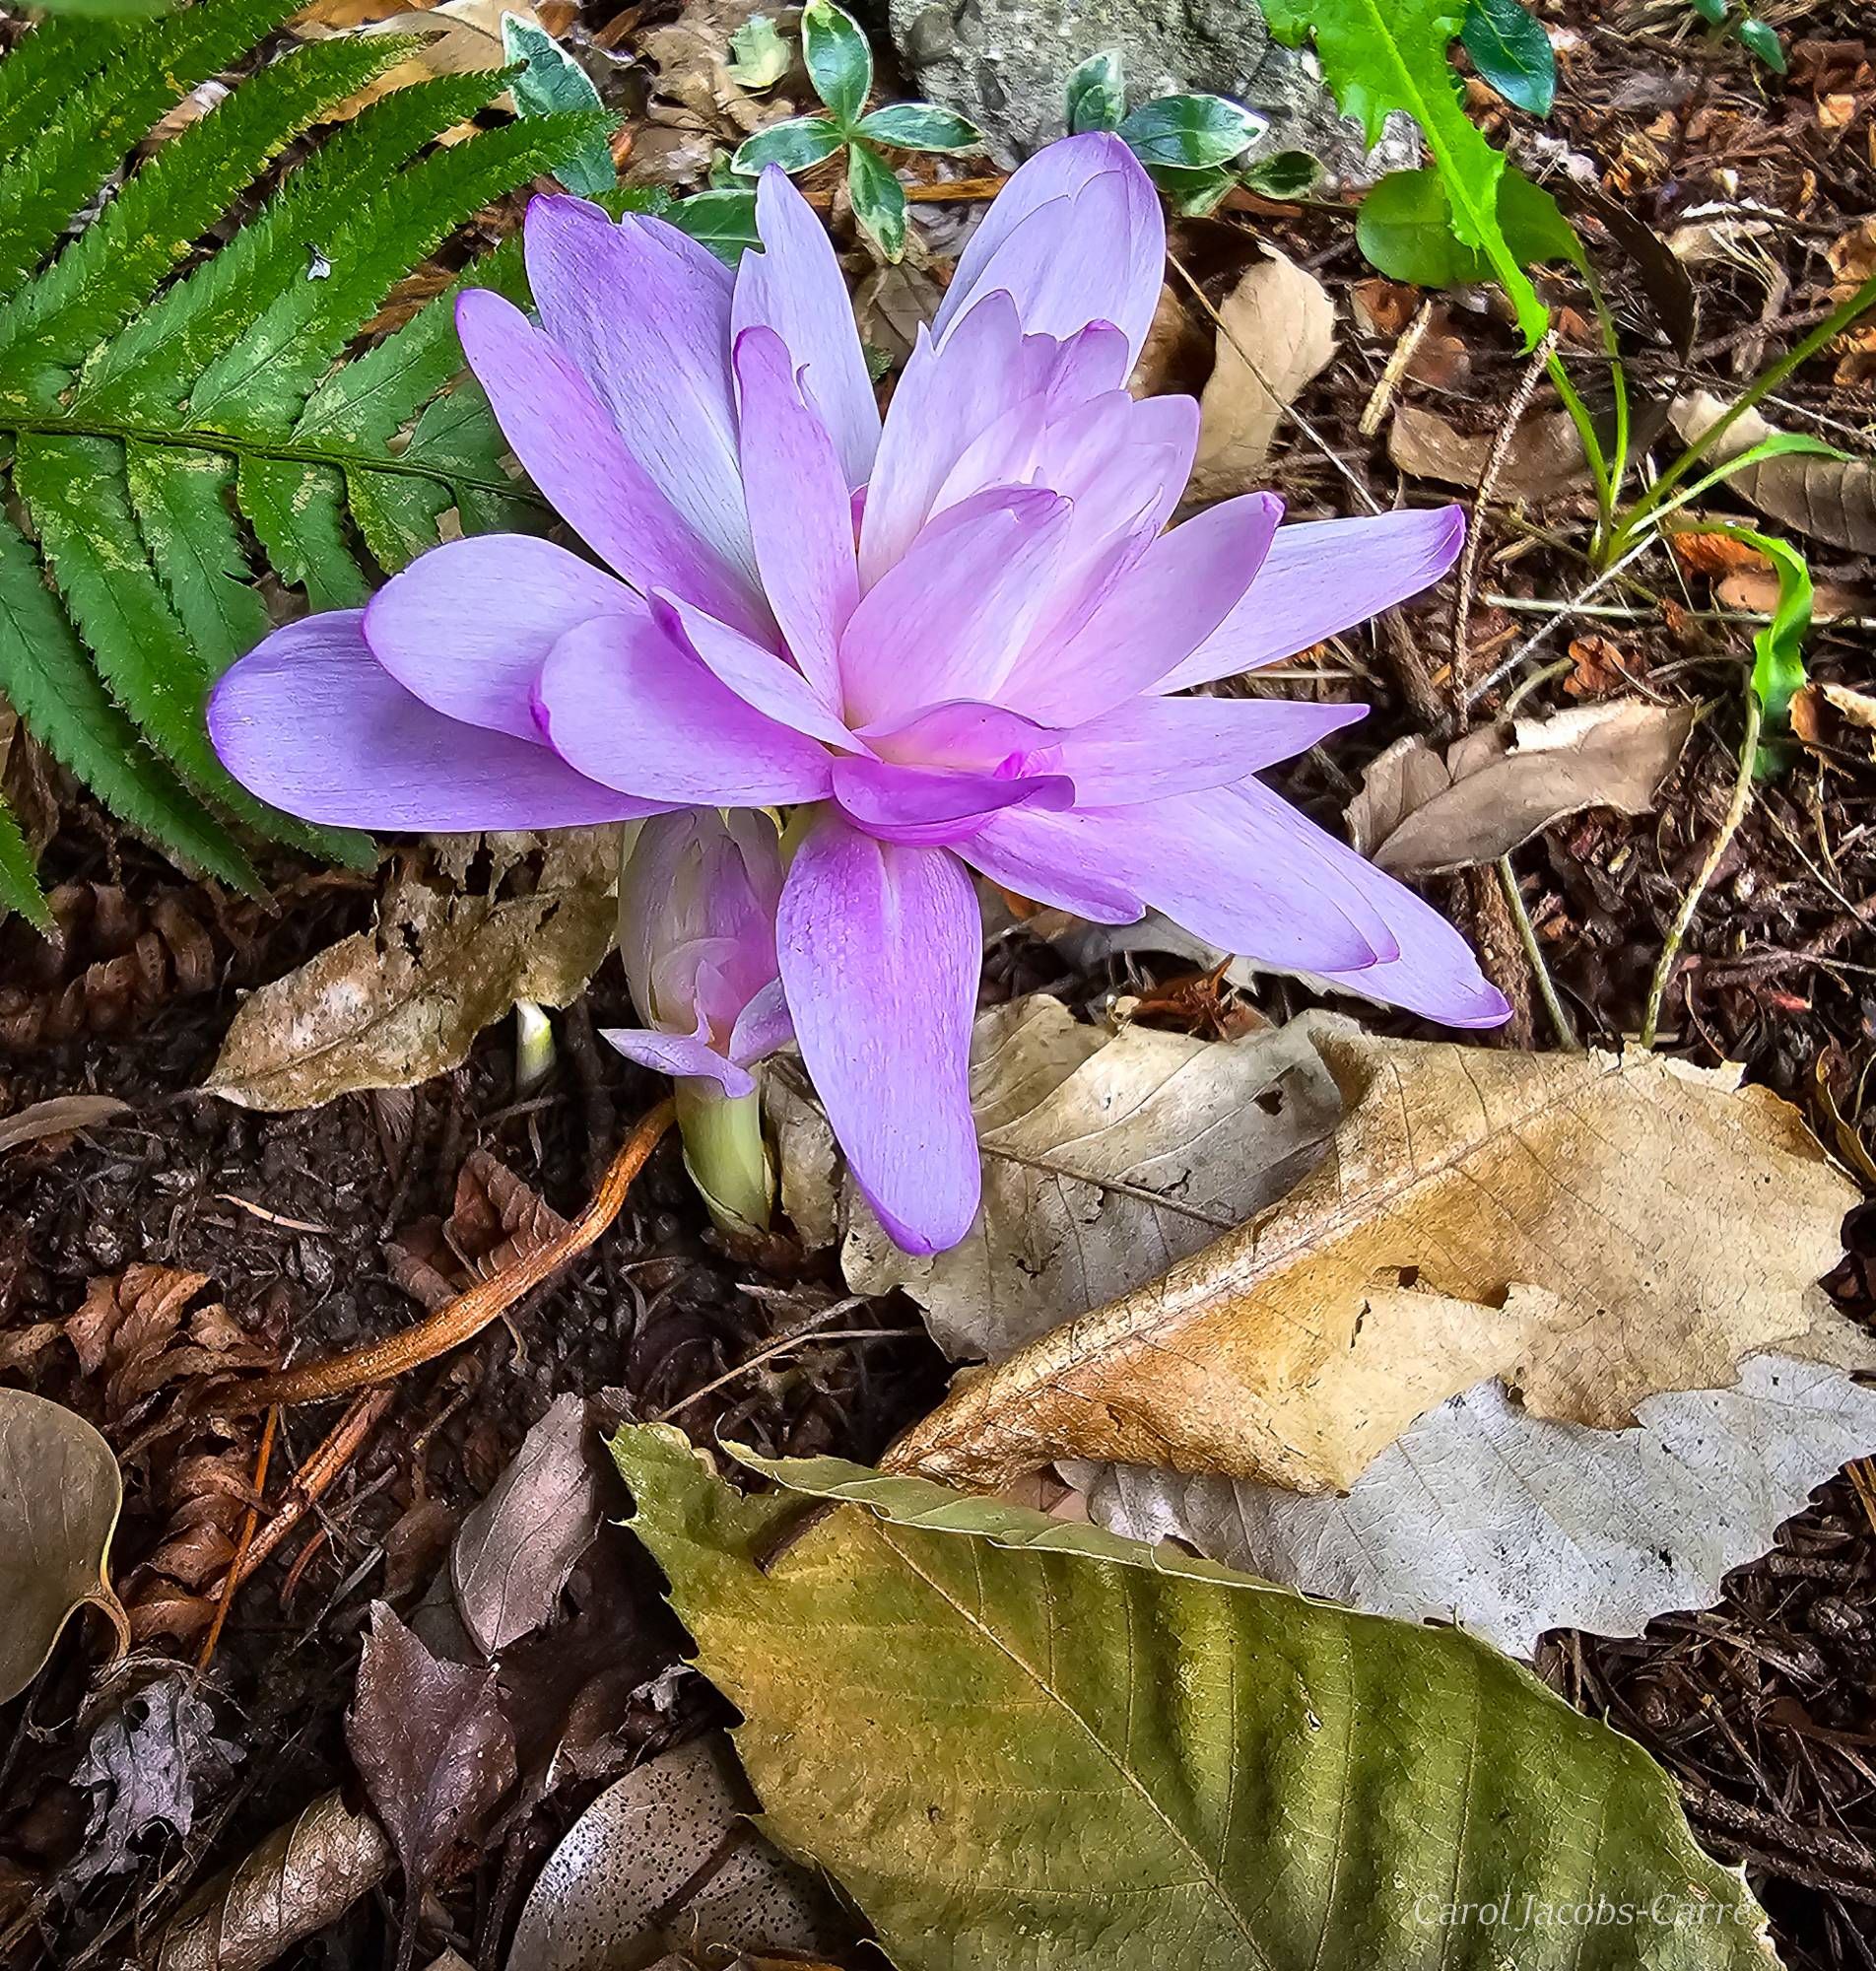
[1005, 64]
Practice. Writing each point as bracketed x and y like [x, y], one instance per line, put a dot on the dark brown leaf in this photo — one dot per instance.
[431, 1744]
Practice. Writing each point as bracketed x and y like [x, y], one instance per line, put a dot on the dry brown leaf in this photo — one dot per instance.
[1105, 1156]
[516, 1550]
[1831, 500]
[1545, 458]
[60, 1115]
[1757, 589]
[1714, 555]
[1500, 785]
[1833, 714]
[1593, 1231]
[1276, 331]
[59, 1495]
[301, 1879]
[391, 1010]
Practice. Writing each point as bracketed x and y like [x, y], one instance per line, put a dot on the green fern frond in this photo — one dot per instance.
[163, 428]
[19, 888]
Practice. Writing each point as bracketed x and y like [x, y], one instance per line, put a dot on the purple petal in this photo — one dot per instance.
[800, 510]
[794, 287]
[1320, 579]
[1091, 361]
[571, 450]
[683, 1056]
[944, 400]
[1050, 866]
[1075, 236]
[625, 705]
[468, 625]
[1229, 870]
[1185, 583]
[312, 721]
[756, 674]
[651, 336]
[961, 732]
[947, 619]
[1435, 974]
[880, 949]
[763, 1026]
[1151, 747]
[935, 806]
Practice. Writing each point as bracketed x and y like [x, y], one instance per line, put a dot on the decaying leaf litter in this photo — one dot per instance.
[1758, 1709]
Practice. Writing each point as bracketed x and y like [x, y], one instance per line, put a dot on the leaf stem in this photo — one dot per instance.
[1533, 953]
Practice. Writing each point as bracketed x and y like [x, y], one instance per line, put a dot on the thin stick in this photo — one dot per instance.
[315, 1479]
[231, 1580]
[465, 1317]
[1534, 952]
[1475, 534]
[1684, 917]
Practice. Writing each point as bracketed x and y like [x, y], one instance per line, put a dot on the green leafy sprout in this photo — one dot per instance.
[840, 65]
[1189, 144]
[1729, 21]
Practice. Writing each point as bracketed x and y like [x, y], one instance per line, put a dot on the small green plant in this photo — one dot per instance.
[1511, 51]
[840, 65]
[156, 430]
[1189, 144]
[1731, 21]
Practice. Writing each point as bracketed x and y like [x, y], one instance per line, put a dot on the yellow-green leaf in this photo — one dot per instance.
[1017, 1742]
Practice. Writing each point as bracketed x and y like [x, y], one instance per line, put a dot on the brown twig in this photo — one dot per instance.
[312, 1481]
[1475, 534]
[465, 1317]
[231, 1580]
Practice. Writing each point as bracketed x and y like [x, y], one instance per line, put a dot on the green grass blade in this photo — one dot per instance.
[19, 888]
[50, 684]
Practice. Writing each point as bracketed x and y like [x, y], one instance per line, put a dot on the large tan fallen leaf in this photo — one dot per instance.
[1593, 1230]
[390, 1009]
[1546, 457]
[1831, 500]
[1498, 786]
[1104, 1156]
[59, 1497]
[1276, 332]
[1510, 1524]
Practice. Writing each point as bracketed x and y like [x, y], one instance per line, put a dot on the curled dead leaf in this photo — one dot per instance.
[1592, 1228]
[1417, 812]
[61, 1115]
[1831, 500]
[61, 1493]
[392, 1009]
[299, 1880]
[1276, 331]
[1545, 461]
[1832, 716]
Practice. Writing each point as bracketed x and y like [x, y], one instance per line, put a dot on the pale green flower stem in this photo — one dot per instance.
[724, 1153]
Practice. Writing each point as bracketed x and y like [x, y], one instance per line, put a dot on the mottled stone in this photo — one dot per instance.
[1005, 64]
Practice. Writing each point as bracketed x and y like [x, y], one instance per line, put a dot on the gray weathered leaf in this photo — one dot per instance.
[609, 1897]
[1511, 1524]
[1500, 785]
[516, 1550]
[1276, 332]
[59, 1498]
[392, 1009]
[1107, 1159]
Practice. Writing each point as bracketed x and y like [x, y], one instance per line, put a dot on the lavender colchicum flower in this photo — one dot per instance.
[697, 894]
[961, 636]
